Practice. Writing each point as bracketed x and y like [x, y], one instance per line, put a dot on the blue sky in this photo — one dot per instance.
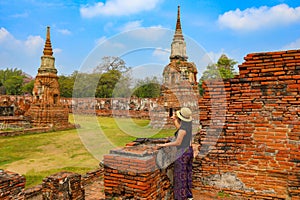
[140, 31]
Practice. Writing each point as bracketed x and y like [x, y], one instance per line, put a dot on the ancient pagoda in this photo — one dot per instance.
[46, 108]
[180, 86]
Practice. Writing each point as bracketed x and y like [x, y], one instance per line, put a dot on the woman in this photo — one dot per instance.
[183, 163]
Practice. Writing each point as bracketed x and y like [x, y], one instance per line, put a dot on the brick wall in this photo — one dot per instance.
[11, 184]
[108, 107]
[131, 172]
[250, 140]
[62, 185]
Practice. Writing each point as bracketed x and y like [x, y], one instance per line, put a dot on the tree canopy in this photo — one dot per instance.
[111, 78]
[148, 88]
[223, 69]
[12, 81]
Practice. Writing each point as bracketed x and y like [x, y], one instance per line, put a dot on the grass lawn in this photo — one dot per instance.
[39, 155]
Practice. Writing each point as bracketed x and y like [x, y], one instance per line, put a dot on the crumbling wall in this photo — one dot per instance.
[133, 172]
[62, 185]
[11, 184]
[113, 107]
[250, 139]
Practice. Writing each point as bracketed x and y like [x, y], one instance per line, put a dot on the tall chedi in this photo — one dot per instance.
[46, 108]
[180, 86]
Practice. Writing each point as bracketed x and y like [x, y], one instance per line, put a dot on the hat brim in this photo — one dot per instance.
[183, 118]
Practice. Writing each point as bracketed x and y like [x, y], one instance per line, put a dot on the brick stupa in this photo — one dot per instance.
[46, 108]
[180, 86]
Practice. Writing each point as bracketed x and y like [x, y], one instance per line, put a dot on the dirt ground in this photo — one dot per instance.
[95, 191]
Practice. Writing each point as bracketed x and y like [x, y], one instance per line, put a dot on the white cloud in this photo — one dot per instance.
[131, 25]
[57, 50]
[153, 33]
[24, 54]
[255, 18]
[64, 31]
[20, 15]
[293, 45]
[4, 35]
[33, 44]
[30, 46]
[162, 54]
[117, 8]
[109, 45]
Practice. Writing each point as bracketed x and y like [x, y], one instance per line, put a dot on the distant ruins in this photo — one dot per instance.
[180, 86]
[46, 108]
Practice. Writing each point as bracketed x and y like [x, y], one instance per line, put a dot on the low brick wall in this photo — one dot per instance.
[62, 185]
[92, 175]
[138, 114]
[37, 130]
[11, 184]
[34, 193]
[132, 173]
[7, 122]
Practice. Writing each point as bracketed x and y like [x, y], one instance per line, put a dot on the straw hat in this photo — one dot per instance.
[185, 114]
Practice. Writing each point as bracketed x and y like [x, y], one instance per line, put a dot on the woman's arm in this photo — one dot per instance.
[177, 142]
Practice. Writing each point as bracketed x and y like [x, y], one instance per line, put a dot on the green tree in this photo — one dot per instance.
[66, 85]
[123, 86]
[107, 83]
[28, 87]
[223, 69]
[85, 84]
[11, 81]
[226, 67]
[114, 78]
[111, 63]
[148, 88]
[13, 85]
[111, 78]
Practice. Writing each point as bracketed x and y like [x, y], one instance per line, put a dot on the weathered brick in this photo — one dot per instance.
[267, 151]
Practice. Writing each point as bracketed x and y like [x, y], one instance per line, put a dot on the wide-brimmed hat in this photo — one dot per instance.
[185, 114]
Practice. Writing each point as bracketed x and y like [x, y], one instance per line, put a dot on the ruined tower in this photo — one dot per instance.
[46, 108]
[180, 86]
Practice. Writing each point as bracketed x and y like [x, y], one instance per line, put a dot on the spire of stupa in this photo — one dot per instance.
[48, 48]
[47, 60]
[178, 46]
[178, 23]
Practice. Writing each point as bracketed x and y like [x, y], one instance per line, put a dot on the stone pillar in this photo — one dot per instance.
[11, 184]
[63, 186]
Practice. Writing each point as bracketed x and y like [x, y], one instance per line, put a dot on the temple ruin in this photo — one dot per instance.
[180, 86]
[46, 108]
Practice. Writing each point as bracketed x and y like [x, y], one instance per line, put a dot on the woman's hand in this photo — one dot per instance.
[161, 145]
